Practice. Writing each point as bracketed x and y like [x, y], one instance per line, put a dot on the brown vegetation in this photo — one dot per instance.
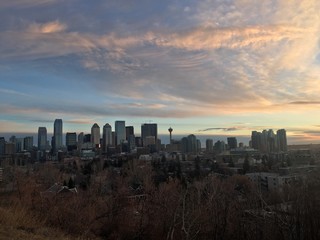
[129, 205]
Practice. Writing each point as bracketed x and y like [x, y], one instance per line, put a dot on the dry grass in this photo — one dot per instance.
[18, 223]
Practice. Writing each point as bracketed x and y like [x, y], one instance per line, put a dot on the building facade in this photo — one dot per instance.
[42, 138]
[149, 130]
[57, 133]
[232, 142]
[95, 135]
[28, 143]
[282, 140]
[120, 132]
[106, 136]
[209, 145]
[71, 141]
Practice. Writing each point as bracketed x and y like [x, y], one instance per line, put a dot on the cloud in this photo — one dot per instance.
[13, 92]
[80, 121]
[230, 129]
[49, 27]
[218, 59]
[12, 126]
[313, 132]
[26, 3]
[41, 121]
[206, 38]
[305, 103]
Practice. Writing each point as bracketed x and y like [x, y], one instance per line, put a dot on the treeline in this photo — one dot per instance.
[130, 204]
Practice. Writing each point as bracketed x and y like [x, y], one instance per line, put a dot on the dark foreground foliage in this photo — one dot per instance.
[130, 205]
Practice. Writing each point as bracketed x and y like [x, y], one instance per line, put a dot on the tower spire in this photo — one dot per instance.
[170, 131]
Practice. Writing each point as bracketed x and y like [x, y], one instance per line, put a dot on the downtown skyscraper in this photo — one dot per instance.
[120, 131]
[268, 141]
[282, 140]
[42, 138]
[149, 130]
[57, 134]
[95, 135]
[106, 137]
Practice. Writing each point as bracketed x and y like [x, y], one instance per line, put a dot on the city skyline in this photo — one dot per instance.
[164, 137]
[98, 134]
[221, 68]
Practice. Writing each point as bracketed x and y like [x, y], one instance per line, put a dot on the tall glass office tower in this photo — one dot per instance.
[42, 138]
[106, 136]
[148, 130]
[57, 133]
[120, 130]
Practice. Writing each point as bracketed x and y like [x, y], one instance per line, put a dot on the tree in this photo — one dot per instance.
[197, 170]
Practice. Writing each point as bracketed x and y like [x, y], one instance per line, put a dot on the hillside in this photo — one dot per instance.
[16, 223]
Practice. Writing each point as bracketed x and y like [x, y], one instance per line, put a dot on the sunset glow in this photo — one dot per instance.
[202, 67]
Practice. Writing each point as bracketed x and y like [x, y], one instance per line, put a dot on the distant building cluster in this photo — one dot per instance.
[268, 141]
[123, 139]
[266, 161]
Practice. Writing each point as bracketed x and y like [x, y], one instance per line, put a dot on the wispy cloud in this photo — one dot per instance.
[49, 27]
[215, 38]
[305, 103]
[13, 92]
[177, 59]
[229, 129]
[26, 3]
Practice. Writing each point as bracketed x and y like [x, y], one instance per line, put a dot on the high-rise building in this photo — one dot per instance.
[42, 138]
[209, 145]
[184, 144]
[57, 133]
[131, 142]
[282, 140]
[264, 141]
[87, 138]
[198, 145]
[106, 137]
[10, 148]
[120, 131]
[12, 139]
[95, 135]
[220, 146]
[148, 130]
[232, 142]
[255, 140]
[138, 141]
[114, 140]
[71, 141]
[28, 143]
[268, 141]
[2, 146]
[271, 141]
[80, 140]
[19, 145]
[150, 140]
[129, 131]
[192, 143]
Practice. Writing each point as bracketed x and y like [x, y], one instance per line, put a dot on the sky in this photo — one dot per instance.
[211, 67]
